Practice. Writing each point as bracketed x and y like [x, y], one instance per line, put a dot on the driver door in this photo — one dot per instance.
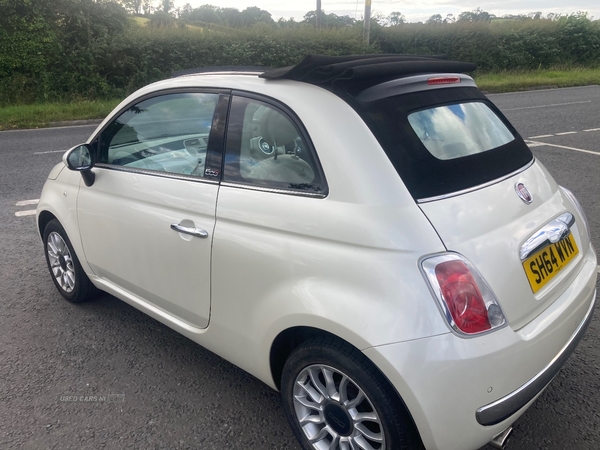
[147, 221]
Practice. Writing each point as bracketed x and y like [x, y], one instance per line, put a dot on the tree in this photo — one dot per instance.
[253, 15]
[147, 7]
[161, 19]
[167, 5]
[395, 18]
[475, 16]
[206, 14]
[328, 20]
[133, 6]
[449, 18]
[436, 18]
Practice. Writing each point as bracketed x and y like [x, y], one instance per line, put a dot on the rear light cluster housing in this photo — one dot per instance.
[465, 299]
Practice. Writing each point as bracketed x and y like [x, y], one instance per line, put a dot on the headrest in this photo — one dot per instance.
[277, 129]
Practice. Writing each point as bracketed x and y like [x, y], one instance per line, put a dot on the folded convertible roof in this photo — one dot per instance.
[329, 71]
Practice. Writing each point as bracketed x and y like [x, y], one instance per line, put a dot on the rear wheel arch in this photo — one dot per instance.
[285, 343]
[297, 338]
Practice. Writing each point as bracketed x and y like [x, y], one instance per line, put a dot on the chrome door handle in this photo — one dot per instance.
[198, 232]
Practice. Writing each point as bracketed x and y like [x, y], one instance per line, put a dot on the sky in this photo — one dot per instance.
[414, 10]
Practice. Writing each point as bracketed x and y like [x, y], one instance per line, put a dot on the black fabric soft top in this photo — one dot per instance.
[332, 70]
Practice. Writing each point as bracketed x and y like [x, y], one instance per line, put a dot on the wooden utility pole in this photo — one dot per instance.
[367, 27]
[318, 14]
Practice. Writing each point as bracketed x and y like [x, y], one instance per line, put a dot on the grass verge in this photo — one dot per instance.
[522, 81]
[42, 115]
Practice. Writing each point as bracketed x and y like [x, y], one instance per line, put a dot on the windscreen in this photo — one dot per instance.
[442, 141]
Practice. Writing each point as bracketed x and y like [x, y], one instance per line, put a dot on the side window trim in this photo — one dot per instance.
[283, 108]
[215, 150]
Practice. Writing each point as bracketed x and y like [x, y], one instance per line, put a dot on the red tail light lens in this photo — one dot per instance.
[464, 297]
[443, 80]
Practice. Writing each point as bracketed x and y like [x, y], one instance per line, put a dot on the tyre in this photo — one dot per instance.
[335, 398]
[65, 269]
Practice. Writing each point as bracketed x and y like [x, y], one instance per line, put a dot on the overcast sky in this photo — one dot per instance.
[414, 10]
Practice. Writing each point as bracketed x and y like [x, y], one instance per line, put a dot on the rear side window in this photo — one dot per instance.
[460, 129]
[267, 149]
[442, 141]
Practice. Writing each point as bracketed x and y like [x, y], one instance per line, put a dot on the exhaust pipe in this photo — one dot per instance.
[501, 440]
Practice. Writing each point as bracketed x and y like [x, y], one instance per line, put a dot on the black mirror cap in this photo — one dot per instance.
[81, 159]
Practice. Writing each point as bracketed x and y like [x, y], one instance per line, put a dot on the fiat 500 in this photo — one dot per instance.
[368, 235]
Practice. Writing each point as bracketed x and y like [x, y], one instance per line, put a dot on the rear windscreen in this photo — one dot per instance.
[444, 140]
[460, 129]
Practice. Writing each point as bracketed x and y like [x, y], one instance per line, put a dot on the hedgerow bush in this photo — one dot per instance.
[83, 49]
[140, 55]
[503, 44]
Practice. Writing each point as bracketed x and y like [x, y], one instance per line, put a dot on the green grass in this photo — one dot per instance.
[41, 115]
[521, 81]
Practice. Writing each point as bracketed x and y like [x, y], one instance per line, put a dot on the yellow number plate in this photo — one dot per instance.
[543, 265]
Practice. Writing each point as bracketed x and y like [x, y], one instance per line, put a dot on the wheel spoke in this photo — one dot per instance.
[345, 445]
[355, 401]
[304, 401]
[334, 443]
[311, 418]
[52, 248]
[372, 436]
[314, 378]
[322, 434]
[70, 279]
[330, 384]
[366, 416]
[312, 392]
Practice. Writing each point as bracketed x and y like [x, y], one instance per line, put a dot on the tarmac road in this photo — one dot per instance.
[103, 375]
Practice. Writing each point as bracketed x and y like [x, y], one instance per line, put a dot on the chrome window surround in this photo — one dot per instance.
[508, 405]
[253, 187]
[478, 187]
[550, 233]
[156, 173]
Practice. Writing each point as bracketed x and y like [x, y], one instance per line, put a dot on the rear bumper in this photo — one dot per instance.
[463, 392]
[508, 405]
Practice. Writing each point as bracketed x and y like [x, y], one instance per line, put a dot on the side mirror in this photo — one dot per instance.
[81, 159]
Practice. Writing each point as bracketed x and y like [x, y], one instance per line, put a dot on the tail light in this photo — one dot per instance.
[464, 297]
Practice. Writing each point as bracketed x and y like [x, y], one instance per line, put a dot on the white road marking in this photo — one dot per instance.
[598, 269]
[547, 106]
[541, 136]
[534, 144]
[50, 151]
[28, 202]
[30, 212]
[568, 148]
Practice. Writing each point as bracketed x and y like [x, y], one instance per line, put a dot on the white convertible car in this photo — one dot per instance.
[367, 234]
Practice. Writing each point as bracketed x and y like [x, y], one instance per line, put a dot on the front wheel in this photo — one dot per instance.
[335, 398]
[65, 269]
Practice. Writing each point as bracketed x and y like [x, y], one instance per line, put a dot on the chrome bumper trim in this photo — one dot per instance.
[506, 406]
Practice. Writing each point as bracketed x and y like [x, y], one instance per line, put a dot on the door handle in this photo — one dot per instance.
[198, 232]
